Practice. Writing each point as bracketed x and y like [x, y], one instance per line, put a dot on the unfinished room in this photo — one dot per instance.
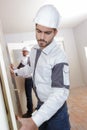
[43, 65]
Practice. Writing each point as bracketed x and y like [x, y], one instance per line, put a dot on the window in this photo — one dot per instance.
[85, 51]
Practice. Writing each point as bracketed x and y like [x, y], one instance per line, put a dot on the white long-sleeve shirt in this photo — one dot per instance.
[51, 80]
[25, 59]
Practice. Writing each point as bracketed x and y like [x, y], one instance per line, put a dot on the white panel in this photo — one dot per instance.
[3, 117]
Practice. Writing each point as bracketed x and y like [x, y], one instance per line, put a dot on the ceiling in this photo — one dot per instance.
[17, 15]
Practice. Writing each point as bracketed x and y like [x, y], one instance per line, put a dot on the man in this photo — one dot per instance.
[28, 82]
[50, 75]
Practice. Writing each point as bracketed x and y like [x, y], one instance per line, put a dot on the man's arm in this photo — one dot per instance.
[35, 121]
[51, 106]
[23, 72]
[20, 66]
[58, 95]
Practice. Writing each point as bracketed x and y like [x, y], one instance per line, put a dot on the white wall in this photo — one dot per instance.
[70, 48]
[81, 41]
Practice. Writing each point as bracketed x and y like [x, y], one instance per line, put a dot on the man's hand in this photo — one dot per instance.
[12, 66]
[27, 124]
[12, 71]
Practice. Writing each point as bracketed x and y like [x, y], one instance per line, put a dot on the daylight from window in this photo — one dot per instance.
[85, 51]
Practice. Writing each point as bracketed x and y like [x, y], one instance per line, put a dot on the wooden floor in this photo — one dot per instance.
[77, 104]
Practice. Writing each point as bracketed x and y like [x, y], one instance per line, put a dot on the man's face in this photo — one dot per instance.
[44, 35]
[25, 53]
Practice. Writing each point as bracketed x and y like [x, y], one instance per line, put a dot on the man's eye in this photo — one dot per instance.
[38, 31]
[48, 33]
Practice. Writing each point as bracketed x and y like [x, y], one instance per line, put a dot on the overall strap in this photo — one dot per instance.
[36, 59]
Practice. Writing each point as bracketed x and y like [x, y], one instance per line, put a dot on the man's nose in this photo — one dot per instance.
[42, 35]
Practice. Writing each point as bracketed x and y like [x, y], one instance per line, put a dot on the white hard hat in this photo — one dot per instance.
[25, 49]
[48, 16]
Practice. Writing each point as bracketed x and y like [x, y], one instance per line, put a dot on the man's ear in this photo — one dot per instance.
[56, 31]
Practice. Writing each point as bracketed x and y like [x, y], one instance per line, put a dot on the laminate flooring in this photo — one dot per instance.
[77, 105]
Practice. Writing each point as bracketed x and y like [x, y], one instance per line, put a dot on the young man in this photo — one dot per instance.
[50, 75]
[28, 81]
